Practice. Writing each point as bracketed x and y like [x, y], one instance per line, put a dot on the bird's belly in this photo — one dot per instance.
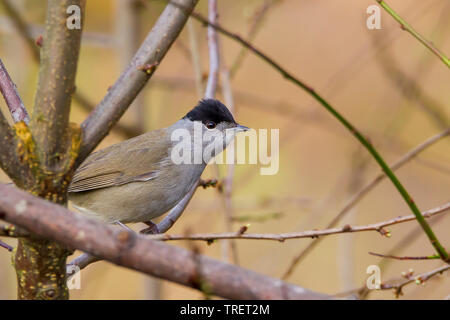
[132, 202]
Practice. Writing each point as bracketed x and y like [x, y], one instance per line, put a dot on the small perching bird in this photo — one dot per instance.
[138, 180]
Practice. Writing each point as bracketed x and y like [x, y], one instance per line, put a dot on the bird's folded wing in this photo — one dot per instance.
[117, 165]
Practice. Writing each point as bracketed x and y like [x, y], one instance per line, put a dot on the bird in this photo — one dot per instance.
[137, 180]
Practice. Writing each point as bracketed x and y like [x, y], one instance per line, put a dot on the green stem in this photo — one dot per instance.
[425, 226]
[414, 33]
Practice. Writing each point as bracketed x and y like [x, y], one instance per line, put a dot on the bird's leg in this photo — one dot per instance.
[122, 225]
[168, 221]
[152, 228]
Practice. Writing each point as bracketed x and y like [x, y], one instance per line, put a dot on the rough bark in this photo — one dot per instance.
[134, 251]
[50, 146]
[59, 60]
[10, 160]
[42, 157]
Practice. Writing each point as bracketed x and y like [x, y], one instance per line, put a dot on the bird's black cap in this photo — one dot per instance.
[210, 110]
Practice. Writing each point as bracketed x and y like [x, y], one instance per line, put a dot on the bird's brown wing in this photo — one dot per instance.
[137, 159]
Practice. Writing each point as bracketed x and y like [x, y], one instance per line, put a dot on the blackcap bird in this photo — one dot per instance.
[142, 178]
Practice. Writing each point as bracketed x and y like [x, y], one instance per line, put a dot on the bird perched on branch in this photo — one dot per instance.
[142, 178]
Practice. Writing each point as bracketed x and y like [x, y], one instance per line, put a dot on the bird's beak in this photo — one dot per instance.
[240, 128]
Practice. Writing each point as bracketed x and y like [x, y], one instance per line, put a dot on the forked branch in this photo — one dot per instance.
[378, 227]
[405, 26]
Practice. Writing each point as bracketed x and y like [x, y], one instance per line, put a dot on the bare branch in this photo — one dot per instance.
[404, 257]
[134, 251]
[12, 98]
[406, 241]
[364, 191]
[379, 227]
[10, 162]
[6, 246]
[229, 250]
[405, 26]
[9, 158]
[133, 79]
[59, 60]
[82, 261]
[420, 279]
[227, 93]
[214, 58]
[176, 212]
[397, 284]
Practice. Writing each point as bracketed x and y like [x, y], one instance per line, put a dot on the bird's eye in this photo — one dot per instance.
[210, 125]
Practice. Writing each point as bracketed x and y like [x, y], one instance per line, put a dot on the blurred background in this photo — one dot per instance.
[384, 81]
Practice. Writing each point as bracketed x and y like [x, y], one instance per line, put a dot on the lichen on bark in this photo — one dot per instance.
[41, 269]
[48, 149]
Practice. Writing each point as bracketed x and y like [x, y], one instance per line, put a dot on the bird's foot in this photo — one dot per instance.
[152, 228]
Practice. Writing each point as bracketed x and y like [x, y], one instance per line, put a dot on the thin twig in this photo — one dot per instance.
[404, 257]
[215, 65]
[405, 26]
[363, 292]
[10, 162]
[364, 191]
[378, 227]
[214, 56]
[11, 96]
[420, 279]
[441, 168]
[226, 195]
[396, 284]
[365, 142]
[176, 212]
